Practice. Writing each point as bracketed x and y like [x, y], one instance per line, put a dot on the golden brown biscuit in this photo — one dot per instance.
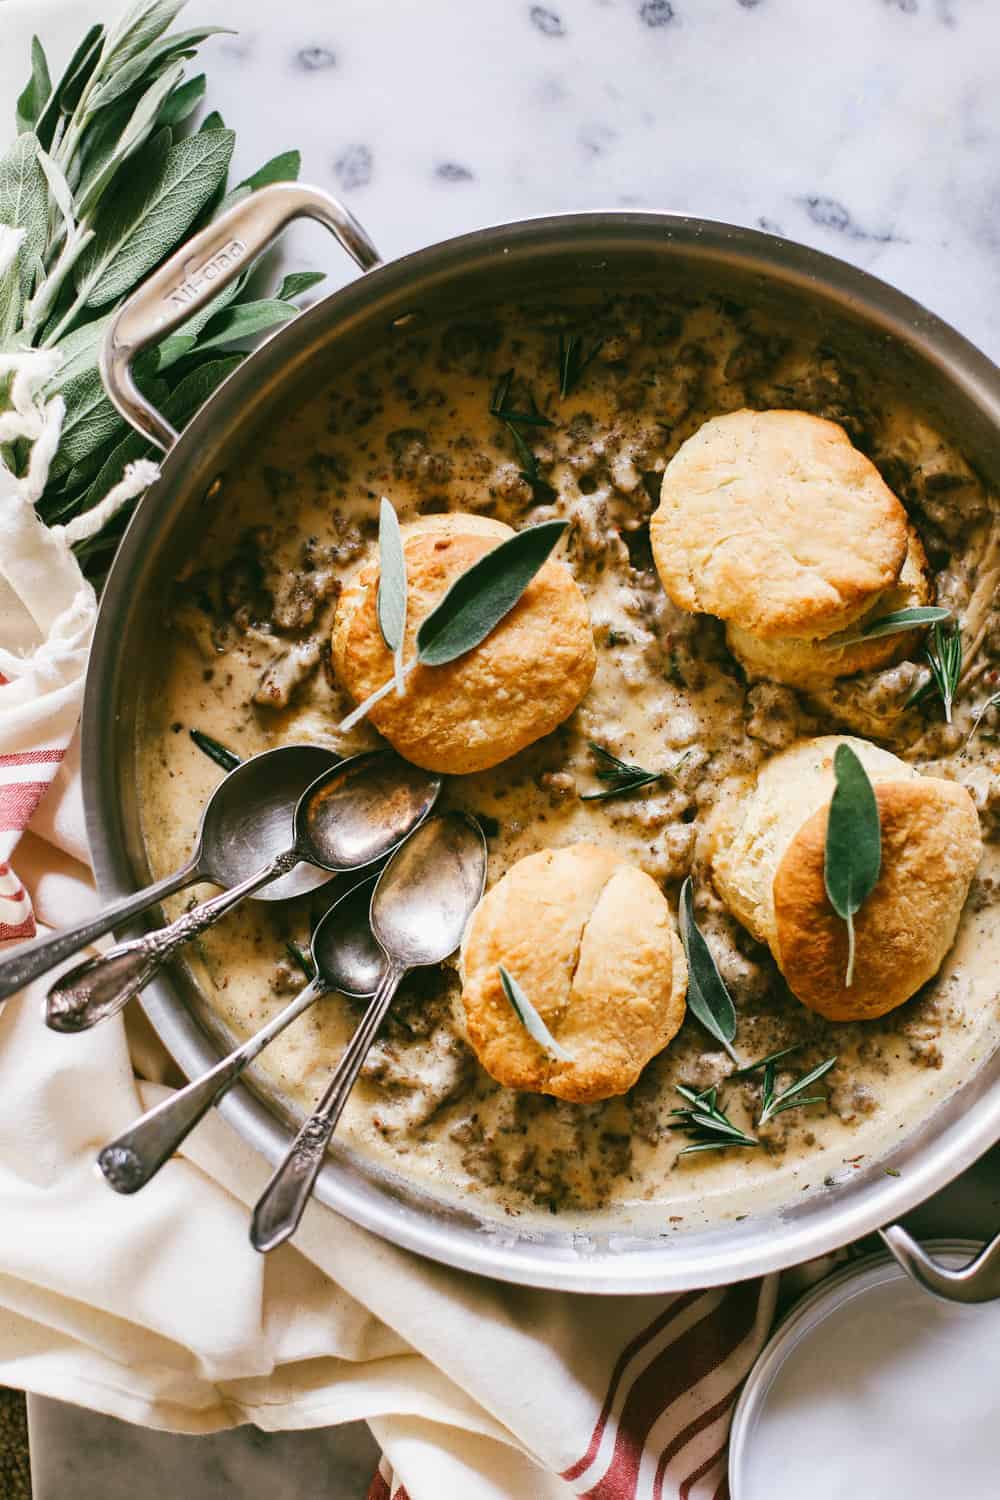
[812, 664]
[767, 847]
[592, 942]
[518, 685]
[774, 521]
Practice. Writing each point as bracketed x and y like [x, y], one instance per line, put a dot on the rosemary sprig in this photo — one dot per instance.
[227, 759]
[301, 959]
[514, 418]
[794, 1097]
[944, 657]
[708, 1126]
[762, 1062]
[621, 777]
[572, 360]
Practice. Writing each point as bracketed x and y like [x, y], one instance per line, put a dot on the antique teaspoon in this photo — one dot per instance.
[420, 907]
[347, 960]
[351, 816]
[248, 815]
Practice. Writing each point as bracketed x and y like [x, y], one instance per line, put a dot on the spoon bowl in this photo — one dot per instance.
[346, 956]
[250, 817]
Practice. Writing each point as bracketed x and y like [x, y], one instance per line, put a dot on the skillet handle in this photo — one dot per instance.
[978, 1281]
[198, 271]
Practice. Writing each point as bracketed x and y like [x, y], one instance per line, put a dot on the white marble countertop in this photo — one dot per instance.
[870, 129]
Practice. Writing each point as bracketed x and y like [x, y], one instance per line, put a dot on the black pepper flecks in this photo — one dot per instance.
[353, 167]
[453, 171]
[313, 58]
[656, 13]
[546, 21]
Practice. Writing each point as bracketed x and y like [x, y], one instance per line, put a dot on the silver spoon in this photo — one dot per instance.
[347, 960]
[351, 816]
[420, 907]
[249, 813]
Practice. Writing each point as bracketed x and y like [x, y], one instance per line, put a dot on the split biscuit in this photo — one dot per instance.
[593, 944]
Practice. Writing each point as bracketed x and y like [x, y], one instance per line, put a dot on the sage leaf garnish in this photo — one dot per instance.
[530, 1019]
[794, 1097]
[391, 606]
[572, 360]
[853, 855]
[981, 713]
[484, 594]
[621, 777]
[473, 606]
[708, 997]
[706, 1123]
[896, 623]
[227, 759]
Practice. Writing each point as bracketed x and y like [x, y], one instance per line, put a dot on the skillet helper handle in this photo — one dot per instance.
[978, 1281]
[198, 271]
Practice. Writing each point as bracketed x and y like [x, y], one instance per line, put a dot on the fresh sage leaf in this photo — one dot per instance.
[116, 138]
[391, 604]
[530, 1019]
[64, 97]
[90, 421]
[211, 122]
[137, 30]
[708, 997]
[896, 623]
[297, 282]
[35, 94]
[194, 390]
[80, 350]
[484, 594]
[24, 203]
[137, 235]
[853, 856]
[227, 759]
[148, 64]
[246, 319]
[182, 102]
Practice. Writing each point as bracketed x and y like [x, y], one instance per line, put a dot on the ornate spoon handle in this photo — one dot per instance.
[136, 1156]
[100, 987]
[280, 1206]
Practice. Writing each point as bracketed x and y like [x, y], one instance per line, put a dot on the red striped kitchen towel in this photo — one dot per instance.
[660, 1430]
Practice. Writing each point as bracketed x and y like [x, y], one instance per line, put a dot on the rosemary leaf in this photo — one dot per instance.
[944, 657]
[762, 1062]
[853, 854]
[981, 713]
[222, 757]
[530, 1019]
[708, 997]
[301, 959]
[621, 777]
[794, 1096]
[707, 1124]
[573, 362]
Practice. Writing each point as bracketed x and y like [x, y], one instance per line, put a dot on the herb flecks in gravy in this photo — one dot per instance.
[249, 663]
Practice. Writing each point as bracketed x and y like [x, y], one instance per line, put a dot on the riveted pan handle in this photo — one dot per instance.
[198, 271]
[978, 1281]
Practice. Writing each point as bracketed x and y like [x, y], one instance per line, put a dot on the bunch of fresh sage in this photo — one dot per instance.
[105, 178]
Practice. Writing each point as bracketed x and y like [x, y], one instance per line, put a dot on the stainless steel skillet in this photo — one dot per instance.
[917, 354]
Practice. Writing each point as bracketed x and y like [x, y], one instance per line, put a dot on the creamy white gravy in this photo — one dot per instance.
[245, 660]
